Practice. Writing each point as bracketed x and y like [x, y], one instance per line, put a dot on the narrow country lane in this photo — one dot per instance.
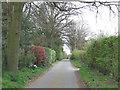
[61, 76]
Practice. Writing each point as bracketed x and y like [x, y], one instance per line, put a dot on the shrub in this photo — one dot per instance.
[59, 52]
[39, 54]
[72, 57]
[102, 54]
[47, 54]
[75, 53]
[26, 60]
[52, 56]
[82, 55]
[78, 55]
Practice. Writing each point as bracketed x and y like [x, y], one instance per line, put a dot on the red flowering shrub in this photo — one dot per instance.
[39, 54]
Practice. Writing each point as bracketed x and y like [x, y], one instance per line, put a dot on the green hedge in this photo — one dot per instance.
[78, 55]
[93, 78]
[26, 60]
[50, 55]
[47, 54]
[59, 52]
[102, 54]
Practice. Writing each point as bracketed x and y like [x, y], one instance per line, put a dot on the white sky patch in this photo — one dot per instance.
[106, 23]
[66, 49]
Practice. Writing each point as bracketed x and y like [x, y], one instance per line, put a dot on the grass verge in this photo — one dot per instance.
[94, 79]
[19, 80]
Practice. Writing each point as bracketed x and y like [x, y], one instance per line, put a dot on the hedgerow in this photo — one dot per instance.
[78, 55]
[26, 60]
[50, 55]
[59, 52]
[93, 78]
[38, 55]
[102, 54]
[47, 54]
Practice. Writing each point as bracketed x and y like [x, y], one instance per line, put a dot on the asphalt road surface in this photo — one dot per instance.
[62, 75]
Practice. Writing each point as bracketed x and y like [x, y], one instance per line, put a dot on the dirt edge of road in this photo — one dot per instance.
[39, 76]
[80, 81]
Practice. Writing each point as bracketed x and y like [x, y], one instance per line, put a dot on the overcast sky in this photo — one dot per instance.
[106, 22]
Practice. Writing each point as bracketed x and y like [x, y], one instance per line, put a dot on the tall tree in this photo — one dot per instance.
[51, 21]
[75, 36]
[13, 34]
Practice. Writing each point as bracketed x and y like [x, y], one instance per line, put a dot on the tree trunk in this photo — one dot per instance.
[13, 34]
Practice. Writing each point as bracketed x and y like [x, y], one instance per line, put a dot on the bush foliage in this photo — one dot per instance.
[47, 54]
[93, 78]
[78, 55]
[50, 55]
[26, 60]
[39, 54]
[102, 54]
[59, 52]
